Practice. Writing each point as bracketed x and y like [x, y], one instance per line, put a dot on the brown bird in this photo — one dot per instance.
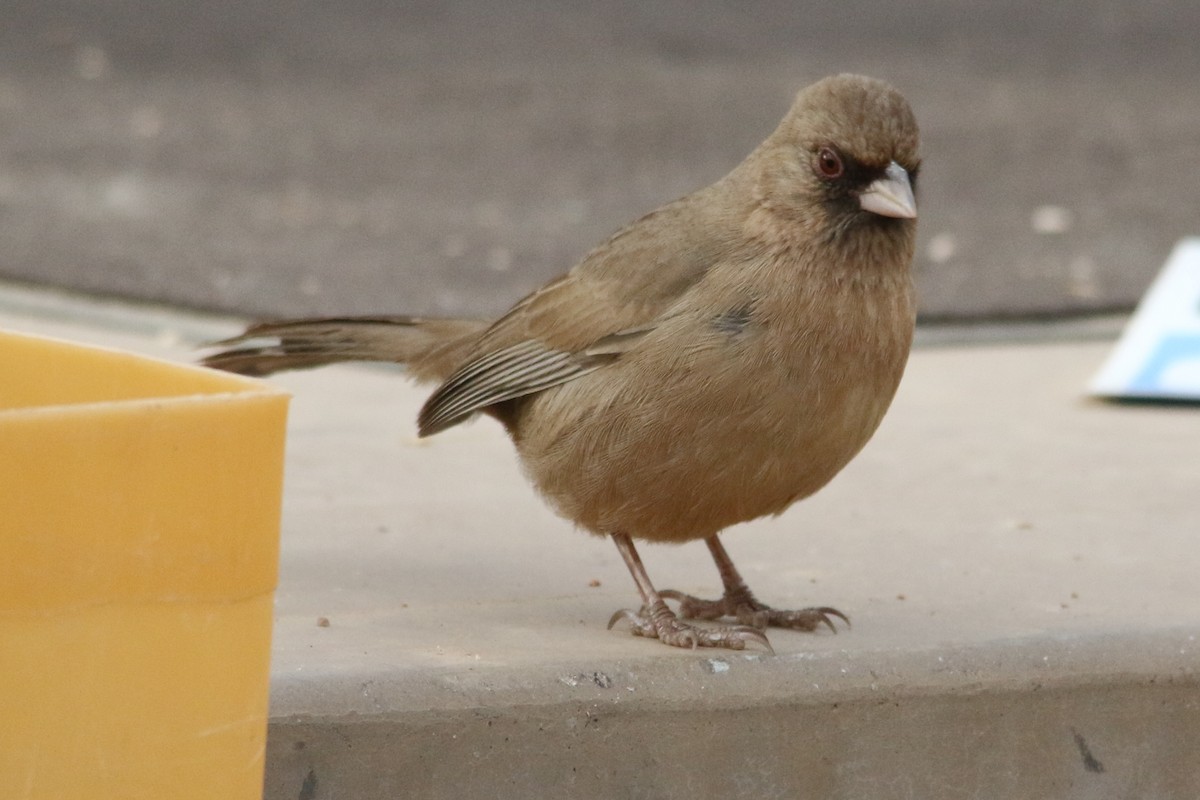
[715, 361]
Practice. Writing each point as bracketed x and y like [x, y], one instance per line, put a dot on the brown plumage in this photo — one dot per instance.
[715, 361]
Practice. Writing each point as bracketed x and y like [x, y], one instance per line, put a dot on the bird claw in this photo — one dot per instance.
[806, 619]
[750, 612]
[659, 622]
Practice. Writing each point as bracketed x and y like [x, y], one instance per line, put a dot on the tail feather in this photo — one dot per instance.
[432, 348]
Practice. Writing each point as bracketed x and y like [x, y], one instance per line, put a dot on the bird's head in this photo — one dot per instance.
[845, 157]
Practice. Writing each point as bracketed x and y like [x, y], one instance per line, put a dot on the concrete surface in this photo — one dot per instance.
[446, 156]
[1019, 562]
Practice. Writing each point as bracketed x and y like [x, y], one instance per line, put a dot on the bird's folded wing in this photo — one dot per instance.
[586, 318]
[521, 369]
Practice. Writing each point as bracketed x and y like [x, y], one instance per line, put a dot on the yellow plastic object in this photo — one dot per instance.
[139, 545]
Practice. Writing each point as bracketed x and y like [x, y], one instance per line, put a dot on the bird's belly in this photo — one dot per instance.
[693, 453]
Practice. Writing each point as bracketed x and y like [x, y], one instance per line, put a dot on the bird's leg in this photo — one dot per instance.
[740, 602]
[656, 621]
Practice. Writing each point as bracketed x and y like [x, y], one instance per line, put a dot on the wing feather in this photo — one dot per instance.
[525, 368]
[585, 319]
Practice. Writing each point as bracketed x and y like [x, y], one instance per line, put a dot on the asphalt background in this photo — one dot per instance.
[272, 158]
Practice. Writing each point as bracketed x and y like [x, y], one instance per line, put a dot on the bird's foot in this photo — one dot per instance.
[659, 622]
[748, 611]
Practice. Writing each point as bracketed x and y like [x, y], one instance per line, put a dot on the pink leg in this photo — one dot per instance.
[739, 602]
[656, 621]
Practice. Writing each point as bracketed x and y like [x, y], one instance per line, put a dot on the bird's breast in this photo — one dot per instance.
[711, 422]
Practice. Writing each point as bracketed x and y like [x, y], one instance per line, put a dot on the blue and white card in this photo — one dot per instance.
[1158, 355]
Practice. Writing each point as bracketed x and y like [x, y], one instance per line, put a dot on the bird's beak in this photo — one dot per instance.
[891, 195]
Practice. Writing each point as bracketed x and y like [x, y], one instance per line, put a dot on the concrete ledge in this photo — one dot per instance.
[1020, 564]
[1036, 718]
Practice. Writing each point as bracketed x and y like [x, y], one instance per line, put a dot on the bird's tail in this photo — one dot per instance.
[432, 348]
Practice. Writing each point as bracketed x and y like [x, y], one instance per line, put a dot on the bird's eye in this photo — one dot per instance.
[829, 163]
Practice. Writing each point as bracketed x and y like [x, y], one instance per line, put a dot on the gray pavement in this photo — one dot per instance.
[1020, 564]
[445, 157]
